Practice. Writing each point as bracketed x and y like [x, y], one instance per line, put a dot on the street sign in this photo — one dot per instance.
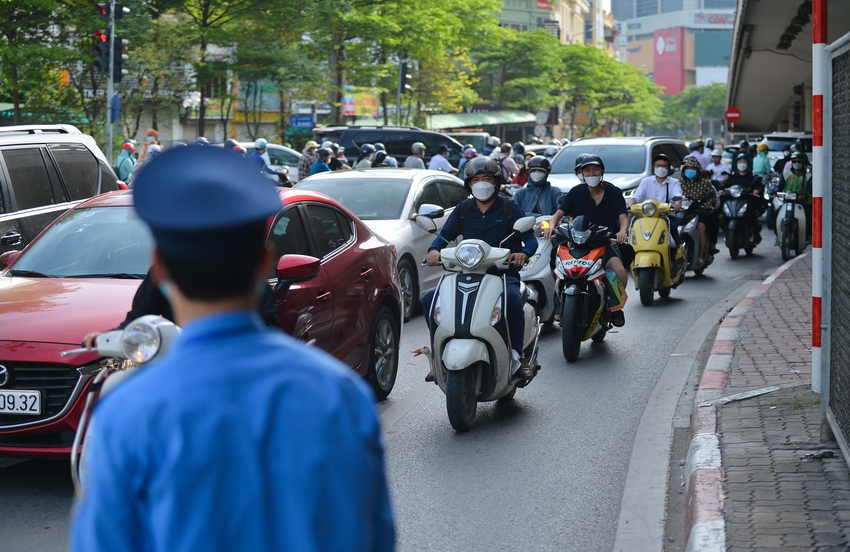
[301, 121]
[540, 131]
[542, 117]
[733, 115]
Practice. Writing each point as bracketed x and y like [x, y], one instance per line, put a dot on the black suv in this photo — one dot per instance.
[44, 171]
[397, 140]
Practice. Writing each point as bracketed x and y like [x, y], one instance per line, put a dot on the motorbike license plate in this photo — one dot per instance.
[20, 402]
[789, 207]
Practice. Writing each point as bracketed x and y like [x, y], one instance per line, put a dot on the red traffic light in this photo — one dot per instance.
[103, 8]
[101, 36]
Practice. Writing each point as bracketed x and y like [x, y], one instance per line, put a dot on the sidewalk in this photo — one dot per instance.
[757, 475]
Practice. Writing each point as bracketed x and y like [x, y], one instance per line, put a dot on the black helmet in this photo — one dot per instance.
[481, 165]
[579, 162]
[691, 147]
[379, 158]
[664, 157]
[539, 163]
[590, 159]
[709, 143]
[335, 147]
[699, 144]
[506, 147]
[744, 144]
[322, 152]
[519, 147]
[744, 157]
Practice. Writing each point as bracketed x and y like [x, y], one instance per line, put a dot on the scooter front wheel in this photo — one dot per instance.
[785, 245]
[570, 327]
[461, 402]
[732, 243]
[647, 294]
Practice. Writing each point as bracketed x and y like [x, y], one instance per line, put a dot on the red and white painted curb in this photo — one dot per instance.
[705, 527]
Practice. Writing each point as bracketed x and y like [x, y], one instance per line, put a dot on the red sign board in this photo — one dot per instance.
[543, 5]
[733, 114]
[669, 60]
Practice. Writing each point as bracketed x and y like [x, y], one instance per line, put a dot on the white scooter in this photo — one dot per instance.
[125, 351]
[470, 351]
[790, 223]
[538, 276]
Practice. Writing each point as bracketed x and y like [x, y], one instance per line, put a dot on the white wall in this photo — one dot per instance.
[708, 75]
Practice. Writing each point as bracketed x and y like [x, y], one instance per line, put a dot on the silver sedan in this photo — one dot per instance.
[388, 202]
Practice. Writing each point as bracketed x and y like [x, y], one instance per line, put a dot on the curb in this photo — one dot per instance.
[705, 525]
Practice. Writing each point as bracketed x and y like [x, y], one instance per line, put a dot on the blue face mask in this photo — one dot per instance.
[150, 138]
[690, 173]
[163, 288]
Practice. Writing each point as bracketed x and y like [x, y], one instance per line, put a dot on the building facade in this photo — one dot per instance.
[679, 43]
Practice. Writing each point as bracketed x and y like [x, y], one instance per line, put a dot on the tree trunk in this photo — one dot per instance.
[283, 121]
[154, 95]
[16, 97]
[336, 106]
[202, 88]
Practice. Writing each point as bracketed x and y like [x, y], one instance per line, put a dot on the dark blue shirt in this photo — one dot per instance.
[491, 226]
[578, 201]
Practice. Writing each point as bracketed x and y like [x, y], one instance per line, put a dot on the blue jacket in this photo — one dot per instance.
[319, 166]
[542, 200]
[258, 158]
[241, 438]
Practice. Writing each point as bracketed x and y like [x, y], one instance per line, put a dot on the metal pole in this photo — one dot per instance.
[109, 89]
[398, 92]
[819, 62]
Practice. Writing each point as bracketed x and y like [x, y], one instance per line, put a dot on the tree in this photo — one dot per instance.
[707, 101]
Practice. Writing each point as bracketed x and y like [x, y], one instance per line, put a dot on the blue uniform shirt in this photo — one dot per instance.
[491, 226]
[241, 439]
[319, 166]
[260, 161]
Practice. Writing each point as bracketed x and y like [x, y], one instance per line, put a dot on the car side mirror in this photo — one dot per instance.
[431, 211]
[525, 224]
[9, 257]
[292, 269]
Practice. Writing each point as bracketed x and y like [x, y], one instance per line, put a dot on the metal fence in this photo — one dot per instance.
[837, 236]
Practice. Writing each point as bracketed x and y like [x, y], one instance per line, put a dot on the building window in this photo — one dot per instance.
[668, 6]
[719, 4]
[623, 9]
[644, 8]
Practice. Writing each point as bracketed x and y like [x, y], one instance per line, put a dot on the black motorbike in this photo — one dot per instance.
[688, 219]
[741, 212]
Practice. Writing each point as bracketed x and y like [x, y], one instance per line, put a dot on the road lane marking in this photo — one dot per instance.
[399, 408]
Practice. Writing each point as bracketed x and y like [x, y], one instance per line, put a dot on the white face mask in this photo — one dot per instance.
[742, 167]
[483, 191]
[592, 181]
[661, 172]
[537, 176]
[797, 166]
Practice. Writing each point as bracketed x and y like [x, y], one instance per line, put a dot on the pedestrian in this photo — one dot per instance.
[152, 139]
[323, 155]
[414, 160]
[241, 438]
[440, 162]
[125, 162]
[308, 157]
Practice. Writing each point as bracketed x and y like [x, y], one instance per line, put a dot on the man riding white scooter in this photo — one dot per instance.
[489, 218]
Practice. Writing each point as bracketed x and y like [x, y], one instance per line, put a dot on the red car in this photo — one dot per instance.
[338, 282]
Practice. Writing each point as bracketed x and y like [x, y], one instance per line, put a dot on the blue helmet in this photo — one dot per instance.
[367, 148]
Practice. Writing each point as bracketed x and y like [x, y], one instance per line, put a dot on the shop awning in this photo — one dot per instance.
[479, 119]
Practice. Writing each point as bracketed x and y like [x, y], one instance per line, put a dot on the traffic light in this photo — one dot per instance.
[101, 50]
[118, 70]
[105, 7]
[403, 78]
[797, 112]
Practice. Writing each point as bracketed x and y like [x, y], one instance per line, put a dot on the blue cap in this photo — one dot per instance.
[198, 200]
[442, 148]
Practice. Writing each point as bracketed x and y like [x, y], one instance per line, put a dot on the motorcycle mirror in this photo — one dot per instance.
[426, 223]
[524, 224]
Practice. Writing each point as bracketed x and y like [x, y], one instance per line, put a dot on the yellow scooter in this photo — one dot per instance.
[659, 265]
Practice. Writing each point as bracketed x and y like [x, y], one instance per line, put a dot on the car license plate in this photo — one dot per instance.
[20, 402]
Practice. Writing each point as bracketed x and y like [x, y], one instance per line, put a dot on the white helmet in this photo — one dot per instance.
[493, 141]
[551, 151]
[327, 144]
[260, 143]
[716, 153]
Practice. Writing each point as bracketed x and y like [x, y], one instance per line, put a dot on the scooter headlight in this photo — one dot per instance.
[690, 225]
[531, 260]
[437, 316]
[791, 196]
[143, 339]
[686, 203]
[469, 255]
[742, 210]
[580, 236]
[496, 315]
[648, 208]
[726, 210]
[736, 191]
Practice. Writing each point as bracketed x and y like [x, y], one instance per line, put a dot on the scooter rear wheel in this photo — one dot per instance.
[461, 402]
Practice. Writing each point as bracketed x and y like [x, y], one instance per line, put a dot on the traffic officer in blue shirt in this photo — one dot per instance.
[485, 218]
[241, 438]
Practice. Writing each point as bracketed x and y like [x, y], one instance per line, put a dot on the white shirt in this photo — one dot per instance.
[649, 188]
[718, 170]
[440, 163]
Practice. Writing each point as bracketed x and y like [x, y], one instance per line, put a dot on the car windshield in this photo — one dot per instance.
[92, 242]
[618, 158]
[368, 198]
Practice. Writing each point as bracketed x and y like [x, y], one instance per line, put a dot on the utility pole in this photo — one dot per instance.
[109, 79]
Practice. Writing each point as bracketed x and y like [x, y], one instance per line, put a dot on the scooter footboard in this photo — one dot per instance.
[645, 259]
[462, 353]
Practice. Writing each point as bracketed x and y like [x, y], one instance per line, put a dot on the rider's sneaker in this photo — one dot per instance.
[618, 319]
[430, 377]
